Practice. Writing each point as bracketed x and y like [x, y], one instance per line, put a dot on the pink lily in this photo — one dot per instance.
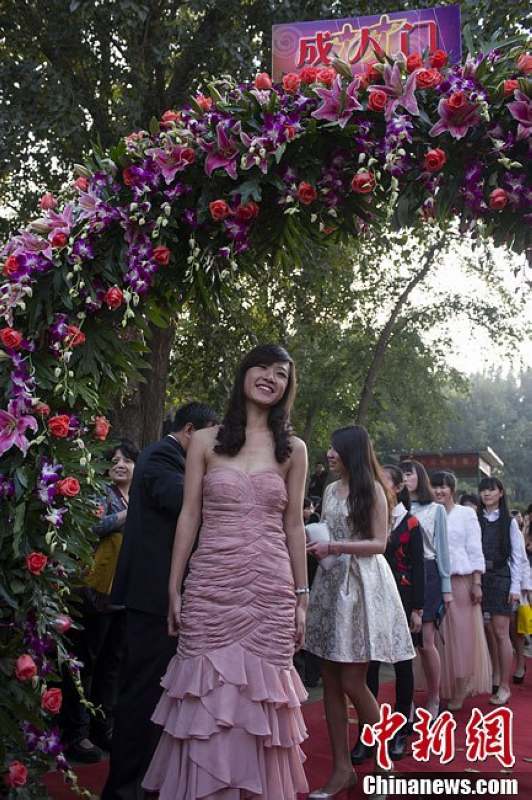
[338, 105]
[13, 428]
[171, 161]
[457, 115]
[224, 153]
[521, 110]
[393, 87]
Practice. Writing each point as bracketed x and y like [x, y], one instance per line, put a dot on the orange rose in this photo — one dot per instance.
[428, 78]
[363, 183]
[17, 775]
[161, 255]
[413, 62]
[51, 701]
[219, 210]
[377, 100]
[169, 117]
[456, 101]
[291, 82]
[75, 337]
[36, 562]
[102, 426]
[68, 487]
[326, 75]
[203, 102]
[308, 75]
[439, 59]
[59, 426]
[263, 81]
[25, 668]
[435, 159]
[510, 86]
[306, 193]
[10, 338]
[498, 199]
[524, 63]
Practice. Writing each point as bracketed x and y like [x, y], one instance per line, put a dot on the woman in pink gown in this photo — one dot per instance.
[231, 717]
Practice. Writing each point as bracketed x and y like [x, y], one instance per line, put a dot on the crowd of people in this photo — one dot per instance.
[264, 585]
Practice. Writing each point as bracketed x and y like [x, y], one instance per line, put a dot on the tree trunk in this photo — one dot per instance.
[382, 342]
[140, 418]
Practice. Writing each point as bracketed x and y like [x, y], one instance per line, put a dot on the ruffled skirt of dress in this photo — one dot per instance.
[232, 728]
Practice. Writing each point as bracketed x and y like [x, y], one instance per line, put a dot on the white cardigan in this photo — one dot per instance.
[465, 541]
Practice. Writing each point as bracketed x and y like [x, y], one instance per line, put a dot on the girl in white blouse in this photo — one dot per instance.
[465, 661]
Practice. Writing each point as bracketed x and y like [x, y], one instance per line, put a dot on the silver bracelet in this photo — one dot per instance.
[304, 590]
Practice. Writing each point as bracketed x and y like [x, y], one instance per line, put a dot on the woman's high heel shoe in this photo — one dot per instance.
[321, 794]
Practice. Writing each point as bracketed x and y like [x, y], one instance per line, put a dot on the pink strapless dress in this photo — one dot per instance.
[231, 707]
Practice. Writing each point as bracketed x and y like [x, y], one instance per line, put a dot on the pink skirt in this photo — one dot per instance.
[462, 644]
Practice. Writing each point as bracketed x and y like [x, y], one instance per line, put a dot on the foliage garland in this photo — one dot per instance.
[242, 174]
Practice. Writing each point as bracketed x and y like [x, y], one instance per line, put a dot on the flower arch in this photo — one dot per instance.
[240, 173]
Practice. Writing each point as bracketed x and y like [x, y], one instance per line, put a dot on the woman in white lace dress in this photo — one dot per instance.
[355, 613]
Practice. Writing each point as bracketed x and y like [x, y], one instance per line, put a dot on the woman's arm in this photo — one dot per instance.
[187, 525]
[519, 565]
[295, 531]
[379, 527]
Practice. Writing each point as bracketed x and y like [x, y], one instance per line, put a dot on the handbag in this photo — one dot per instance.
[319, 532]
[524, 619]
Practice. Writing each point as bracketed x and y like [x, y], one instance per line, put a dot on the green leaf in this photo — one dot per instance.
[249, 189]
[154, 126]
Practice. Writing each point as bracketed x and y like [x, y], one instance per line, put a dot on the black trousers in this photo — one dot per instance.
[404, 684]
[147, 653]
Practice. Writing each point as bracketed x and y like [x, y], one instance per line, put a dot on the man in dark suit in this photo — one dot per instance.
[141, 584]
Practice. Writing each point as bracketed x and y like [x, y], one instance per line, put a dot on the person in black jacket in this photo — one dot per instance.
[141, 584]
[404, 553]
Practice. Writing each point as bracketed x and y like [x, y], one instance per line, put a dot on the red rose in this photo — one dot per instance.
[371, 73]
[188, 154]
[51, 701]
[428, 78]
[363, 182]
[11, 265]
[377, 100]
[435, 159]
[25, 668]
[524, 63]
[161, 255]
[68, 487]
[17, 775]
[113, 298]
[290, 132]
[43, 409]
[326, 75]
[10, 338]
[102, 426]
[263, 81]
[510, 86]
[59, 426]
[439, 59]
[291, 82]
[308, 75]
[75, 337]
[456, 101]
[306, 193]
[59, 239]
[169, 117]
[498, 199]
[128, 176]
[47, 201]
[219, 210]
[247, 211]
[203, 102]
[62, 623]
[36, 562]
[413, 62]
[81, 183]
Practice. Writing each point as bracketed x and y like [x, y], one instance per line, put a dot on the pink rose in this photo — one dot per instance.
[81, 183]
[36, 562]
[203, 102]
[291, 82]
[363, 182]
[326, 75]
[17, 775]
[68, 487]
[377, 100]
[263, 81]
[51, 701]
[102, 426]
[219, 210]
[59, 426]
[308, 75]
[25, 668]
[435, 159]
[524, 63]
[47, 201]
[62, 623]
[498, 199]
[169, 117]
[510, 86]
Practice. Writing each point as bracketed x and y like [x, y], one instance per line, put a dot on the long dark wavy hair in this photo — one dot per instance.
[356, 452]
[396, 474]
[505, 518]
[424, 492]
[232, 433]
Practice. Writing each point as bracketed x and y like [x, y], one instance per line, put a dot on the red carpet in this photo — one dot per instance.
[318, 757]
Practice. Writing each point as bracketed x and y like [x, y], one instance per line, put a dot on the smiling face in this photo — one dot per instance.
[336, 464]
[121, 470]
[443, 494]
[266, 384]
[491, 497]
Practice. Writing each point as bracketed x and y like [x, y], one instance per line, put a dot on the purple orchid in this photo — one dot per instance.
[55, 516]
[397, 94]
[457, 115]
[338, 104]
[224, 153]
[13, 428]
[7, 488]
[257, 154]
[83, 250]
[521, 111]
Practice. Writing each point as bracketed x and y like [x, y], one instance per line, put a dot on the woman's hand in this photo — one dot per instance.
[174, 614]
[301, 615]
[476, 594]
[447, 599]
[318, 549]
[415, 622]
[514, 597]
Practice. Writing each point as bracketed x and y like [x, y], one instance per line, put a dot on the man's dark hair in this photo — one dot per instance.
[197, 414]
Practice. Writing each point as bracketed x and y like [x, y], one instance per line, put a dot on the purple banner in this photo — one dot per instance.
[357, 40]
